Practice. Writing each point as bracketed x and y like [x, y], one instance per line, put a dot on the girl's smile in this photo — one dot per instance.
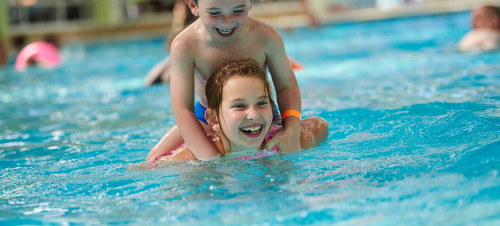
[252, 131]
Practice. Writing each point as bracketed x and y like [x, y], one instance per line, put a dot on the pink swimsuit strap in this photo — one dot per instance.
[152, 162]
[272, 131]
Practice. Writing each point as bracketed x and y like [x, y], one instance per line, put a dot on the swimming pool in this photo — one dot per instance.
[414, 137]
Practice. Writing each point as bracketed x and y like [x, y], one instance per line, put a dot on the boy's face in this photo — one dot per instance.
[223, 19]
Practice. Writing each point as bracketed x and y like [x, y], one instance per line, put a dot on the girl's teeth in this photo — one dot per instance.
[252, 130]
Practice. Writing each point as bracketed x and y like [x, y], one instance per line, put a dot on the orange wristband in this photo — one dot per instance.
[291, 113]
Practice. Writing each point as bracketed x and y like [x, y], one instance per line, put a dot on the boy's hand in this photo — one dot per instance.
[287, 139]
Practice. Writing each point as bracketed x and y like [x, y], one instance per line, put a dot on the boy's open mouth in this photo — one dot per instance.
[252, 131]
[225, 32]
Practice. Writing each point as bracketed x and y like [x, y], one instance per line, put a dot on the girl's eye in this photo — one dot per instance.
[263, 104]
[239, 106]
[213, 14]
[238, 11]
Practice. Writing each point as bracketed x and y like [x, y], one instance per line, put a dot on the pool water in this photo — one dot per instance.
[414, 137]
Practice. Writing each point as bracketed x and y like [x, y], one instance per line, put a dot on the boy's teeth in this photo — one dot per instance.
[225, 31]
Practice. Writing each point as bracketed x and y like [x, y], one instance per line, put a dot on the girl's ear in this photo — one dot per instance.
[251, 4]
[192, 6]
[211, 117]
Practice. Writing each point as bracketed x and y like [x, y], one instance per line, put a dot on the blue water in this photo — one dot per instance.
[414, 137]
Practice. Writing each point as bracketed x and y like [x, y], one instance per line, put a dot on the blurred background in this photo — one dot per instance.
[57, 21]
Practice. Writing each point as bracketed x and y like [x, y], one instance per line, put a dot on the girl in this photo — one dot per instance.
[240, 113]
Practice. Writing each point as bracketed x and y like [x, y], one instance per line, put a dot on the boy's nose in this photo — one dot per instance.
[227, 21]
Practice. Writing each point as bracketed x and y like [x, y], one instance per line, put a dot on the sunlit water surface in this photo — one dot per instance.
[414, 137]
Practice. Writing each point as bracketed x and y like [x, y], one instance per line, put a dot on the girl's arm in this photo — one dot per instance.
[184, 154]
[287, 93]
[182, 99]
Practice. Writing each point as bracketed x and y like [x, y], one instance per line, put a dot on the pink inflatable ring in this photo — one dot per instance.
[41, 52]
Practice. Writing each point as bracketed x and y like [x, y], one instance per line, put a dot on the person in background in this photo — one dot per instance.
[3, 53]
[485, 33]
[310, 7]
[160, 73]
[182, 19]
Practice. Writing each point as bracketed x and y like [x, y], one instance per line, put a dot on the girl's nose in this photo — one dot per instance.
[252, 113]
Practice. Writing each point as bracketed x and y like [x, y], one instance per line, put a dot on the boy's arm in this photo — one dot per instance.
[182, 99]
[287, 94]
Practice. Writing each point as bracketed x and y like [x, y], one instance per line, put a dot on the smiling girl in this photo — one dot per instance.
[240, 113]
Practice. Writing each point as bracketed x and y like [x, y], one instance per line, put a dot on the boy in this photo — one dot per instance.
[160, 73]
[224, 32]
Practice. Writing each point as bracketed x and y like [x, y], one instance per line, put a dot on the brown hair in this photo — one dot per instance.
[244, 68]
[492, 11]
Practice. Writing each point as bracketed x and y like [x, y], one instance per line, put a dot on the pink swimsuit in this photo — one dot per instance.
[272, 131]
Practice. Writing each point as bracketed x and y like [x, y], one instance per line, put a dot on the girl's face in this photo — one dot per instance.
[246, 113]
[223, 19]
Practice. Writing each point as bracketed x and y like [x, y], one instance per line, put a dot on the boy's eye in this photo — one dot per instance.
[238, 11]
[213, 13]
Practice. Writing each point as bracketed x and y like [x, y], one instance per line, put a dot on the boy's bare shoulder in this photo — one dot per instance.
[187, 39]
[263, 30]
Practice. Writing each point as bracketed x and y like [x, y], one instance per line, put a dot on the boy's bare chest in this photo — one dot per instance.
[209, 60]
[231, 52]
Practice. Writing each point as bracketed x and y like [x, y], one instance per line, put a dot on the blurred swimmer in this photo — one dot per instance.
[485, 33]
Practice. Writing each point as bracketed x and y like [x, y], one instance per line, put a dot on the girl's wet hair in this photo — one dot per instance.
[243, 68]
